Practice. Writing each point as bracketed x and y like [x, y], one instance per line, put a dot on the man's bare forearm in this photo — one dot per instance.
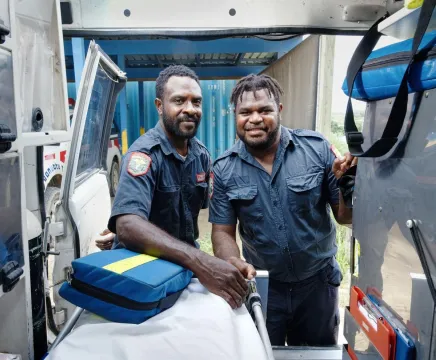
[142, 236]
[224, 242]
[346, 213]
[343, 215]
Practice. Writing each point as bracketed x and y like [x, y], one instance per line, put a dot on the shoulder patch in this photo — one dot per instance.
[139, 164]
[311, 133]
[211, 179]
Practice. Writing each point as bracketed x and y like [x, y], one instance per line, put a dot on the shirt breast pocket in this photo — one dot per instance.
[167, 194]
[245, 202]
[304, 191]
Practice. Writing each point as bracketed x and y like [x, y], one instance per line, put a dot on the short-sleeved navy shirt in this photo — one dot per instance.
[172, 190]
[284, 218]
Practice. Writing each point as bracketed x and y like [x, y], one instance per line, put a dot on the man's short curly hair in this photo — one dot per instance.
[253, 83]
[173, 70]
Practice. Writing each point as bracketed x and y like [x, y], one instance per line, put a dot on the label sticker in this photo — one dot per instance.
[201, 177]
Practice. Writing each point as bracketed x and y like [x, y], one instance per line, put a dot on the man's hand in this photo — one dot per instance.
[247, 270]
[222, 279]
[341, 165]
[107, 240]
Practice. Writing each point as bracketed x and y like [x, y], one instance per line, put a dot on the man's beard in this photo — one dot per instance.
[172, 126]
[263, 144]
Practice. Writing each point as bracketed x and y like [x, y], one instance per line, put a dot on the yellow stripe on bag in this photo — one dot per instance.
[124, 265]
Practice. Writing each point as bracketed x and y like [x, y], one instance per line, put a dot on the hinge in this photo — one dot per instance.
[59, 317]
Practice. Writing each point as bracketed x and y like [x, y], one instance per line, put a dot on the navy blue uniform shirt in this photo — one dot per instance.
[284, 218]
[157, 184]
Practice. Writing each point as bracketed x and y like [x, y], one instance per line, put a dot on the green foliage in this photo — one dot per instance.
[205, 242]
[343, 254]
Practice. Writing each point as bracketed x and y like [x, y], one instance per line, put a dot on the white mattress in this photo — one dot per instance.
[199, 326]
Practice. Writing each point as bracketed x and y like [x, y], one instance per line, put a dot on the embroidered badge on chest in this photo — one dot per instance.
[139, 163]
[201, 177]
[211, 185]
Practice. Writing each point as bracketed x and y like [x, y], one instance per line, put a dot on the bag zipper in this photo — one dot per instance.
[112, 298]
[396, 59]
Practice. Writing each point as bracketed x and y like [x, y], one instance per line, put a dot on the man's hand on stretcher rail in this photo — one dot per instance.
[223, 278]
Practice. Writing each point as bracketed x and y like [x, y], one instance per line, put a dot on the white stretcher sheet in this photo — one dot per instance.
[199, 326]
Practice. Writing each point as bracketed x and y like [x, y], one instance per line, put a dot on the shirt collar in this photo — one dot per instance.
[168, 148]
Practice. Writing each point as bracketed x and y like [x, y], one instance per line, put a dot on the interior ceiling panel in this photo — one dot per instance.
[170, 17]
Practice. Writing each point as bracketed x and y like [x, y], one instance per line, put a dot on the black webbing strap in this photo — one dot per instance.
[399, 108]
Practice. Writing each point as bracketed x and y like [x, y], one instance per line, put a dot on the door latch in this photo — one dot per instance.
[51, 229]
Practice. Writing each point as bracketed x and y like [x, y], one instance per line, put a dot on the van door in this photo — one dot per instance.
[85, 203]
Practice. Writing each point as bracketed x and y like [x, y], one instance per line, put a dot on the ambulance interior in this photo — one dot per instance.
[305, 45]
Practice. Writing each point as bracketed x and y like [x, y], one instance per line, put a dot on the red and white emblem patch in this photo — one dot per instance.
[201, 177]
[139, 163]
[211, 185]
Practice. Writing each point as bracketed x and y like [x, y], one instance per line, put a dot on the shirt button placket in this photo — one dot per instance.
[280, 222]
[185, 182]
[279, 218]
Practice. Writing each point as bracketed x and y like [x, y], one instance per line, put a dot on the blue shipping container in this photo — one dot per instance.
[217, 128]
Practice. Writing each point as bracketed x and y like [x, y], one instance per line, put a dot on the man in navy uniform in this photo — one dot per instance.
[164, 184]
[280, 184]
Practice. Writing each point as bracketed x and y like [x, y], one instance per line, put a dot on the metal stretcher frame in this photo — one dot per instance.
[256, 308]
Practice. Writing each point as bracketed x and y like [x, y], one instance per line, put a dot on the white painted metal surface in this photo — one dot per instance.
[85, 191]
[402, 24]
[171, 15]
[91, 212]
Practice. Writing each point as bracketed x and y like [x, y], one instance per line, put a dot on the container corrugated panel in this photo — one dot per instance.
[217, 127]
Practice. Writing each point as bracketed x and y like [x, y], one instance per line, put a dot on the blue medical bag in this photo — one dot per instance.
[391, 72]
[382, 72]
[124, 286]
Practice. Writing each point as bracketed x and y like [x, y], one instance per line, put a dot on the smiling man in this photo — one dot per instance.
[280, 184]
[163, 186]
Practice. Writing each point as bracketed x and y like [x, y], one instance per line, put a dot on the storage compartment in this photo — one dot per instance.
[40, 67]
[361, 346]
[8, 123]
[11, 245]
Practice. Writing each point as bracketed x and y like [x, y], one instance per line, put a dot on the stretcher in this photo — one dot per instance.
[199, 326]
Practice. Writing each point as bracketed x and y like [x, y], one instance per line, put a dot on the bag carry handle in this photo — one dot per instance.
[398, 112]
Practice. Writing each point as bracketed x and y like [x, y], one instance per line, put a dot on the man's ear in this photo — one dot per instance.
[280, 107]
[159, 105]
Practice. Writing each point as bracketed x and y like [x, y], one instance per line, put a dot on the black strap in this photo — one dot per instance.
[399, 108]
[417, 240]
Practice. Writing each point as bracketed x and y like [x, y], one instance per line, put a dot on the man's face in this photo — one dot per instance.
[181, 106]
[258, 119]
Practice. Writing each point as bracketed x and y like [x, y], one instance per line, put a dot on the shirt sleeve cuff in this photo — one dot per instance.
[221, 221]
